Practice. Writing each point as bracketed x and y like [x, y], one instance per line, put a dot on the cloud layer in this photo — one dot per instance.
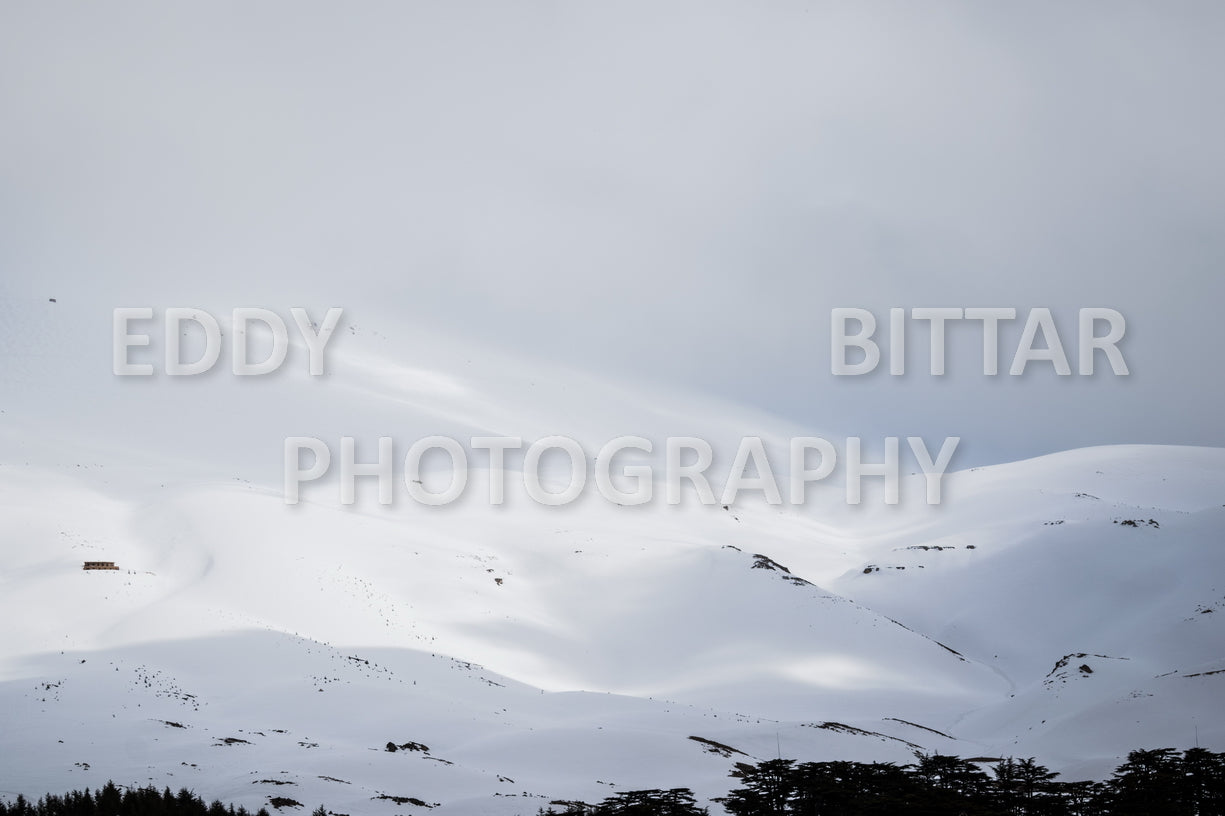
[677, 194]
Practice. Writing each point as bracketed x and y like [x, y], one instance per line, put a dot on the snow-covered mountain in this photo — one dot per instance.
[1070, 607]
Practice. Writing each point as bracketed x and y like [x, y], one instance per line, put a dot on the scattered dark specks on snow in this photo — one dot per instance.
[842, 728]
[392, 747]
[871, 568]
[949, 649]
[712, 747]
[767, 563]
[1137, 523]
[924, 727]
[279, 802]
[1057, 675]
[404, 800]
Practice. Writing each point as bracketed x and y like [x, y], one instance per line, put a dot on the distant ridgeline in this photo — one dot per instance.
[1160, 782]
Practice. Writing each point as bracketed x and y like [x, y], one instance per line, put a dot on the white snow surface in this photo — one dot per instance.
[540, 653]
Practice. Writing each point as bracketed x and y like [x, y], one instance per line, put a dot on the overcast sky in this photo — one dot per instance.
[677, 192]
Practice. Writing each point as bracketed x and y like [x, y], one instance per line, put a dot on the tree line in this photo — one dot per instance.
[111, 800]
[1158, 782]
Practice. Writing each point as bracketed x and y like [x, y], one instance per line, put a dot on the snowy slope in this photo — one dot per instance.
[526, 653]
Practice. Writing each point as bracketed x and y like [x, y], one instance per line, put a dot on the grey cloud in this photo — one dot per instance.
[680, 191]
